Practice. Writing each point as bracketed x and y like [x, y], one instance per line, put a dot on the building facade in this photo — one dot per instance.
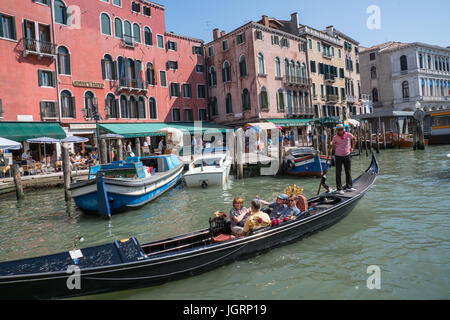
[77, 59]
[257, 72]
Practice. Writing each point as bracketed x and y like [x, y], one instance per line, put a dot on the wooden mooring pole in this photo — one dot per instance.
[377, 139]
[383, 130]
[66, 171]
[18, 182]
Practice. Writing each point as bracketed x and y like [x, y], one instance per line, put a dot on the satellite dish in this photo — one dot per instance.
[419, 115]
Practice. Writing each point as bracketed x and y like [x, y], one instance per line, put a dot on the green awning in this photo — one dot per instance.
[133, 130]
[290, 122]
[22, 131]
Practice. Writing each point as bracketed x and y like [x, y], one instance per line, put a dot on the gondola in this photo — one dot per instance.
[126, 264]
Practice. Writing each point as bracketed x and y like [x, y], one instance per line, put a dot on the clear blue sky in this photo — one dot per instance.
[425, 21]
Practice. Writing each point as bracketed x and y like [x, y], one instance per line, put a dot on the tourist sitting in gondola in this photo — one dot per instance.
[277, 207]
[238, 215]
[256, 220]
[291, 210]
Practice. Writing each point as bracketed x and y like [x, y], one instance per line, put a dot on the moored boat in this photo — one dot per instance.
[122, 185]
[305, 161]
[126, 264]
[209, 170]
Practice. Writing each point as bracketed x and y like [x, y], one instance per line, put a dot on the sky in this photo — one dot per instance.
[425, 21]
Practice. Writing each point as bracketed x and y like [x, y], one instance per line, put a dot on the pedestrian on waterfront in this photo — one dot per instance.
[161, 145]
[238, 215]
[277, 206]
[343, 144]
[130, 152]
[256, 219]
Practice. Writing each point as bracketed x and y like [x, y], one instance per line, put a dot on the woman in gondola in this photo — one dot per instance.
[238, 215]
[256, 220]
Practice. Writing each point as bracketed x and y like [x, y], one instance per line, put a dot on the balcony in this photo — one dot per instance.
[132, 85]
[297, 81]
[332, 98]
[129, 41]
[327, 55]
[350, 99]
[41, 49]
[329, 78]
[300, 111]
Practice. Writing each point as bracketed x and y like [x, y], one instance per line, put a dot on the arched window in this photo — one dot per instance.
[212, 77]
[131, 72]
[127, 36]
[229, 104]
[118, 28]
[246, 100]
[304, 71]
[153, 110]
[213, 107]
[298, 71]
[148, 36]
[280, 100]
[420, 60]
[403, 63]
[242, 66]
[226, 72]
[278, 67]
[89, 104]
[105, 24]
[405, 89]
[151, 75]
[292, 68]
[141, 114]
[375, 95]
[112, 104]
[286, 68]
[261, 66]
[133, 108]
[264, 99]
[67, 105]
[373, 72]
[137, 33]
[124, 110]
[61, 12]
[63, 61]
[107, 68]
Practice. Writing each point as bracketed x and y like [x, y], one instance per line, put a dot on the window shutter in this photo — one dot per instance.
[114, 70]
[42, 104]
[223, 74]
[1, 109]
[52, 74]
[73, 106]
[321, 68]
[14, 36]
[40, 78]
[1, 25]
[103, 69]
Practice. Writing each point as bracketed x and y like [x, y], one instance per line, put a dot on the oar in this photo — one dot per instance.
[325, 171]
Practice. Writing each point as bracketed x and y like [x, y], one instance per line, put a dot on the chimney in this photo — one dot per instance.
[265, 21]
[330, 30]
[223, 33]
[216, 34]
[294, 20]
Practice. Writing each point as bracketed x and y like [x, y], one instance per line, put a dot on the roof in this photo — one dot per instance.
[390, 45]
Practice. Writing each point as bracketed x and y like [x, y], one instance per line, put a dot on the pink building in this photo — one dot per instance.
[257, 72]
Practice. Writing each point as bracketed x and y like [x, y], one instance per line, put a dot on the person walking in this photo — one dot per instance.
[343, 144]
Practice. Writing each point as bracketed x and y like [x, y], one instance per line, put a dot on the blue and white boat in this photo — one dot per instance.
[306, 162]
[121, 185]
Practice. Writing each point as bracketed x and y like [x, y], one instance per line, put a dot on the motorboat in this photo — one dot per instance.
[208, 170]
[305, 161]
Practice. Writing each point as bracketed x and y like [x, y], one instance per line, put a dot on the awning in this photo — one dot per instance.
[262, 125]
[22, 131]
[287, 123]
[352, 122]
[134, 130]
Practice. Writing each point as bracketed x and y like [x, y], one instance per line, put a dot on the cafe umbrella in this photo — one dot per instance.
[9, 144]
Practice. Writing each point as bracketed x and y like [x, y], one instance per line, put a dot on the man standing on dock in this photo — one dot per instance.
[343, 143]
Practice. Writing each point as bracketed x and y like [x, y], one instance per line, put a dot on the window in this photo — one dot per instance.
[201, 91]
[136, 7]
[105, 24]
[188, 115]
[229, 104]
[277, 67]
[313, 88]
[108, 70]
[148, 37]
[403, 63]
[1, 109]
[246, 100]
[63, 61]
[213, 107]
[46, 78]
[152, 107]
[118, 29]
[89, 104]
[133, 108]
[112, 104]
[264, 99]
[225, 45]
[261, 67]
[67, 105]
[141, 114]
[187, 90]
[175, 114]
[259, 35]
[429, 62]
[172, 45]
[310, 44]
[42, 1]
[200, 68]
[160, 39]
[163, 80]
[202, 115]
[197, 50]
[172, 65]
[375, 95]
[276, 40]
[318, 46]
[48, 109]
[61, 12]
[280, 100]
[285, 43]
[7, 27]
[124, 110]
[405, 89]
[151, 76]
[242, 66]
[240, 38]
[128, 37]
[212, 77]
[137, 33]
[117, 3]
[146, 11]
[313, 66]
[211, 51]
[373, 72]
[341, 73]
[372, 56]
[420, 61]
[174, 89]
[226, 72]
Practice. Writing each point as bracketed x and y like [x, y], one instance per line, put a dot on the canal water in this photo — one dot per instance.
[402, 225]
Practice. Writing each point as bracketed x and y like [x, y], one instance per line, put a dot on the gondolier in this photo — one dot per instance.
[343, 144]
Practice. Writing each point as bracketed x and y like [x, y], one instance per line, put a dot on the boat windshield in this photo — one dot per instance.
[210, 162]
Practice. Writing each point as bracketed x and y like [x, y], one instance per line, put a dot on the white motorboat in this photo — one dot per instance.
[209, 170]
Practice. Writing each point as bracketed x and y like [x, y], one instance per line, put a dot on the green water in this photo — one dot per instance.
[401, 225]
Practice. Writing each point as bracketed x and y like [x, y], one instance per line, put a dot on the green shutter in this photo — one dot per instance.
[14, 35]
[42, 103]
[52, 74]
[40, 78]
[1, 25]
[1, 110]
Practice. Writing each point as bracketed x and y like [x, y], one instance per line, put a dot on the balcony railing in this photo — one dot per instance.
[297, 81]
[129, 41]
[332, 98]
[329, 77]
[38, 48]
[131, 85]
[300, 111]
[351, 99]
[327, 55]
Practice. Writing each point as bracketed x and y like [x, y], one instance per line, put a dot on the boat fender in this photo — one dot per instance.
[290, 164]
[204, 184]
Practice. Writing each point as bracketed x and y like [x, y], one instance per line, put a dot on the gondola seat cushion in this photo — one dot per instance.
[224, 237]
[302, 203]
